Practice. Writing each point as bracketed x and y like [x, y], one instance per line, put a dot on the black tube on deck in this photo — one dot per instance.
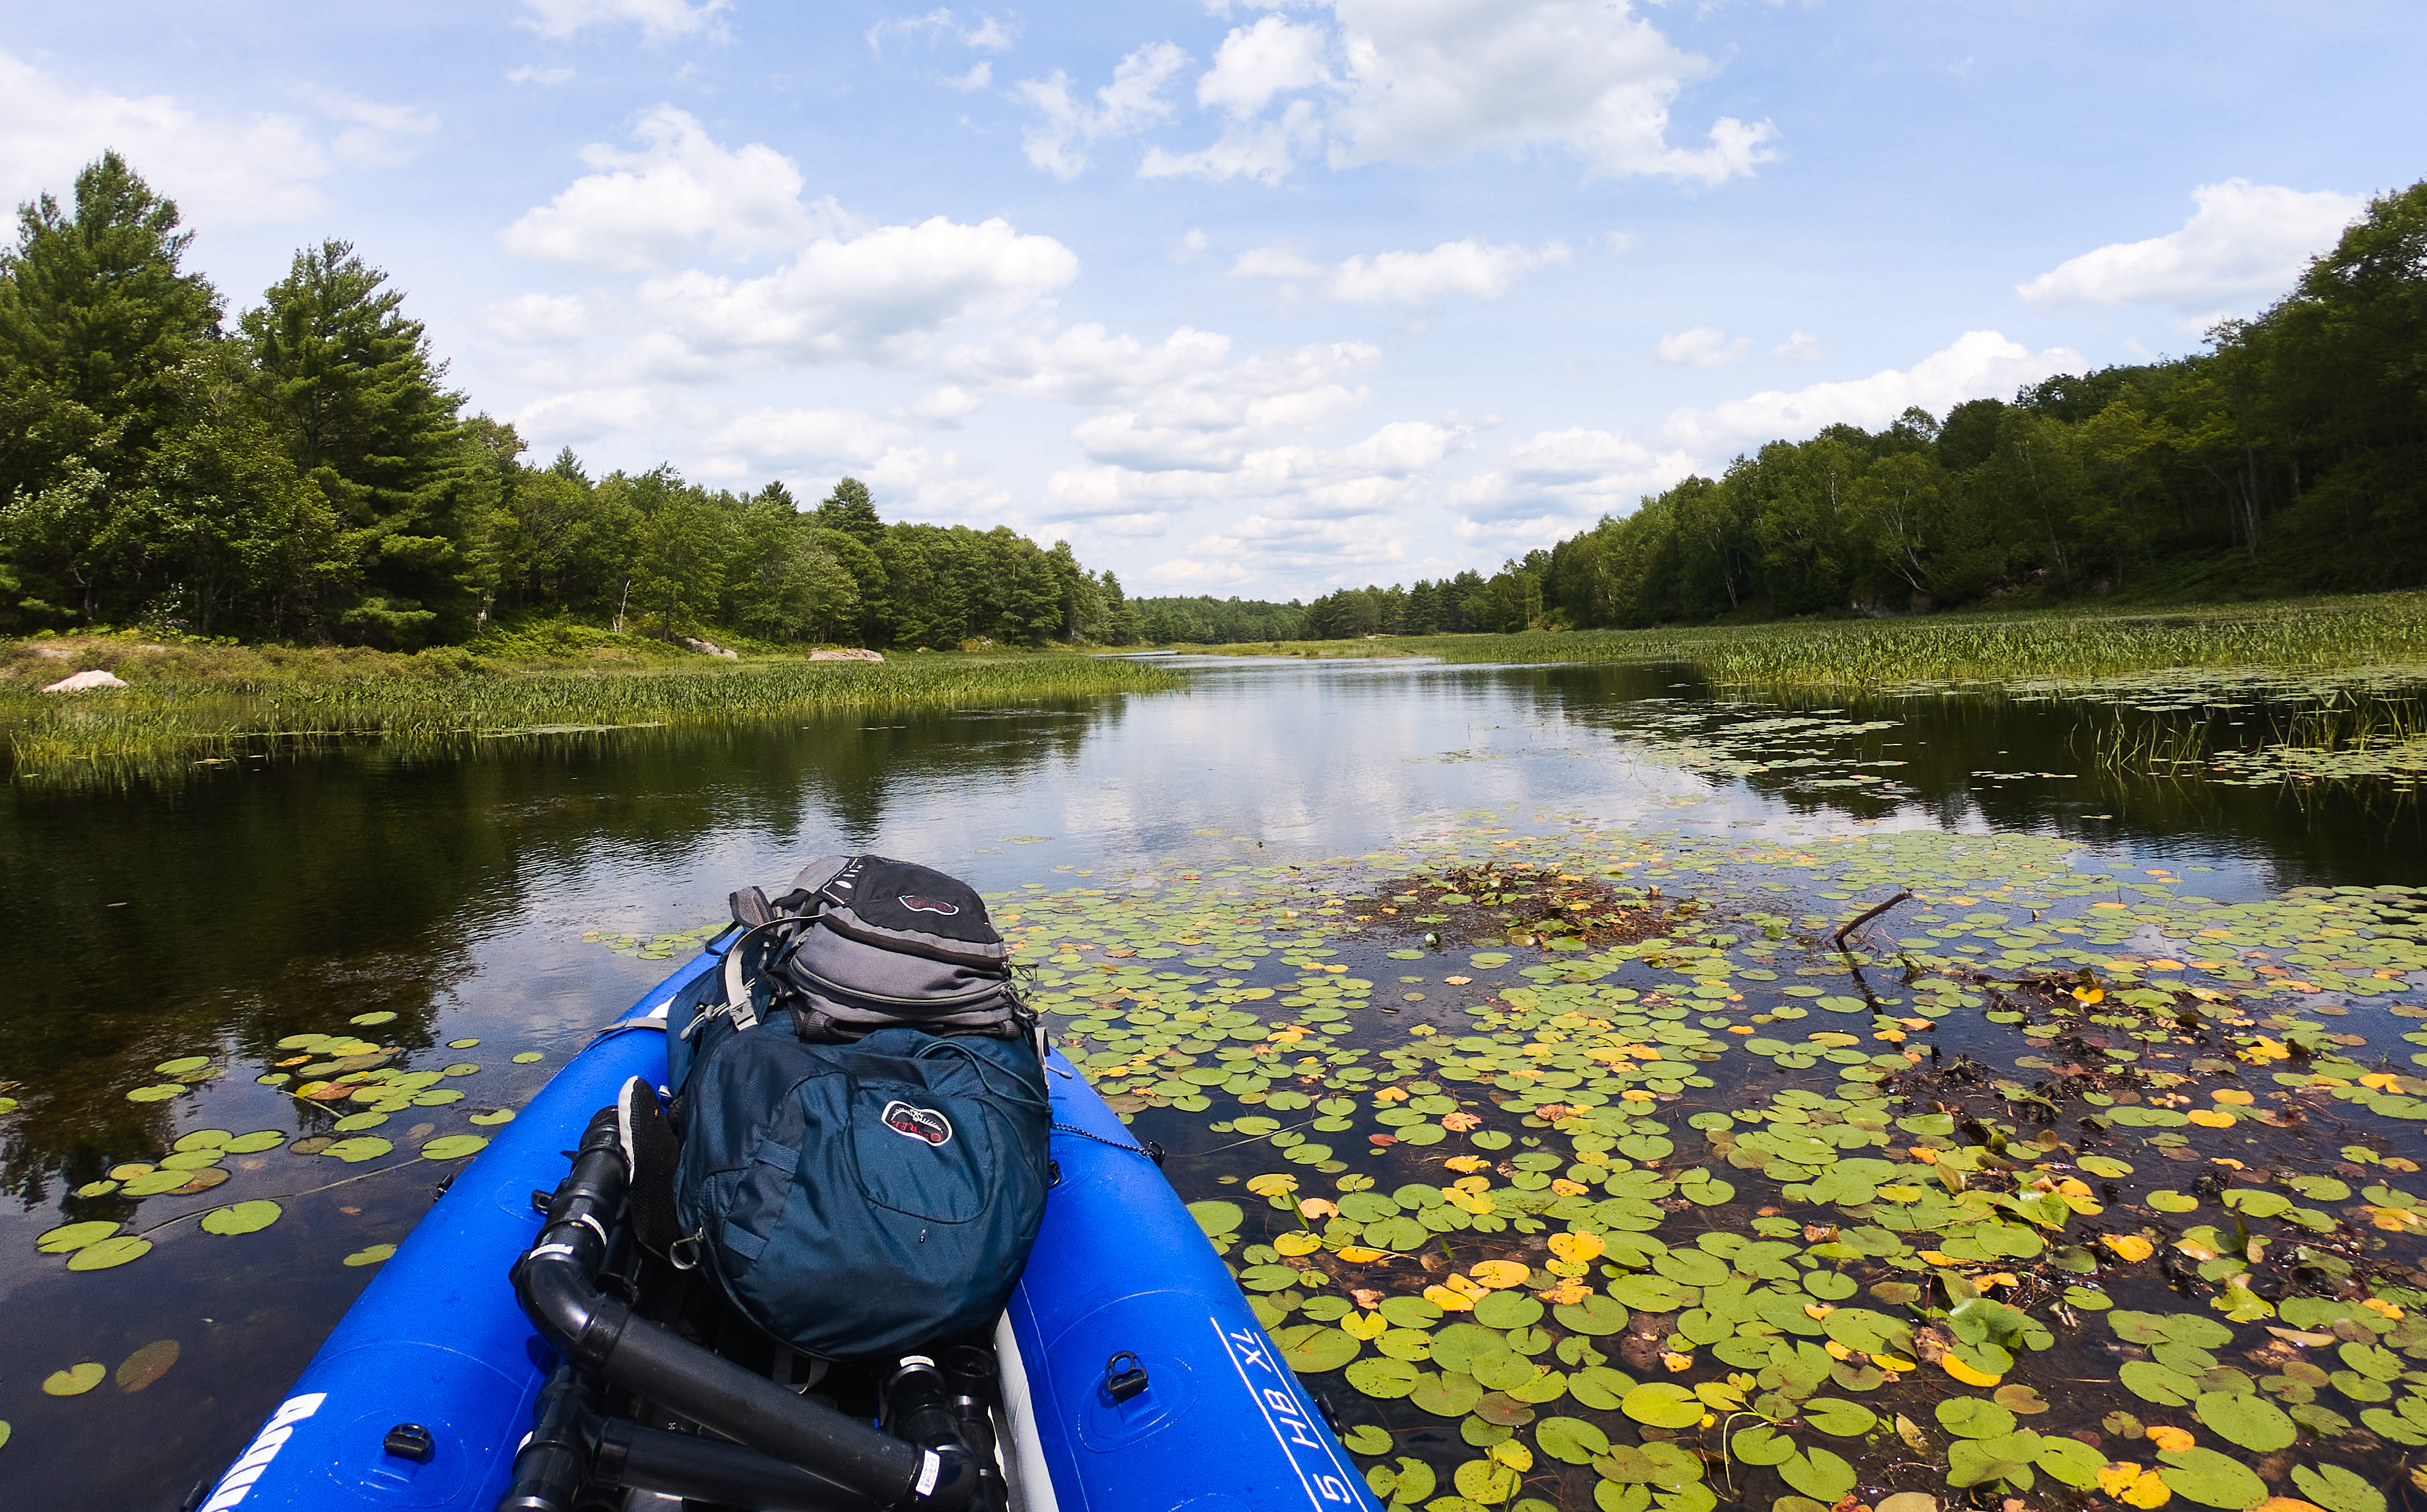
[556, 1281]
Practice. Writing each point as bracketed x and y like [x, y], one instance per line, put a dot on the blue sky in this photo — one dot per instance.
[1242, 298]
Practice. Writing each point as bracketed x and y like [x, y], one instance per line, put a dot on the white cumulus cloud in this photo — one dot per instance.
[657, 19]
[1254, 63]
[1977, 365]
[1058, 141]
[1553, 484]
[2245, 242]
[1700, 347]
[222, 169]
[1434, 81]
[649, 208]
[1473, 269]
[533, 74]
[539, 319]
[805, 437]
[853, 297]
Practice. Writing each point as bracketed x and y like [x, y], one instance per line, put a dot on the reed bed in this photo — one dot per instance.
[162, 725]
[2375, 629]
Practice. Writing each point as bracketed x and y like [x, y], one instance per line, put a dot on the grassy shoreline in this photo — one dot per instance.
[2378, 629]
[200, 702]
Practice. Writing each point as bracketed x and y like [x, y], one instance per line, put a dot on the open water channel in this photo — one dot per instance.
[1586, 1157]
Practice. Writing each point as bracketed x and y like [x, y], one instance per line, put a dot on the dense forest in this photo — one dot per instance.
[2289, 456]
[303, 472]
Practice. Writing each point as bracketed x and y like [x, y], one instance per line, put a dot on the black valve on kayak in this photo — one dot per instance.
[1123, 1382]
[409, 1440]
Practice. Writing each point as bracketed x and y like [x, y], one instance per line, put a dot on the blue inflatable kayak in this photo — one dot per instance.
[1132, 1375]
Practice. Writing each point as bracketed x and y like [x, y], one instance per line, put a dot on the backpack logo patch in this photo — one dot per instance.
[929, 905]
[923, 1124]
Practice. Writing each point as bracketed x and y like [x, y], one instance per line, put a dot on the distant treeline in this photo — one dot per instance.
[305, 473]
[2289, 457]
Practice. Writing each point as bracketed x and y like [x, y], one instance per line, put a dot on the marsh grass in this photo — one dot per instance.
[2374, 629]
[208, 709]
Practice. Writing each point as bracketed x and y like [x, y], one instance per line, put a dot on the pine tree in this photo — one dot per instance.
[95, 322]
[354, 381]
[848, 510]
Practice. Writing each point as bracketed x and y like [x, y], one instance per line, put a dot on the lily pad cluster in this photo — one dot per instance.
[2054, 1185]
[343, 1085]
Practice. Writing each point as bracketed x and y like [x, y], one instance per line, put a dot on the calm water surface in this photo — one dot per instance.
[247, 905]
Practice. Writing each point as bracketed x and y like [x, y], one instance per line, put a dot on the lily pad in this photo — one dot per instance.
[146, 1365]
[2336, 1489]
[1661, 1404]
[242, 1218]
[371, 1256]
[2246, 1422]
[68, 1238]
[76, 1380]
[1311, 1348]
[1571, 1440]
[453, 1146]
[1818, 1474]
[110, 1253]
[2211, 1479]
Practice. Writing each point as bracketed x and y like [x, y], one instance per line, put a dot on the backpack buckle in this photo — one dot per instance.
[1122, 1384]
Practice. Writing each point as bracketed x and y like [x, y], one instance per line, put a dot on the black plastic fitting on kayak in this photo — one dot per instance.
[651, 1459]
[550, 1466]
[556, 1281]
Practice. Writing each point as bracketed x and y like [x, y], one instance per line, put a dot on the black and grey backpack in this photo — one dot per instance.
[862, 943]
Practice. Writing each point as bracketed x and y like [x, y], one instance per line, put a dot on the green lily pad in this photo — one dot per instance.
[2068, 1461]
[1970, 1417]
[1663, 1405]
[453, 1146]
[68, 1238]
[2153, 1382]
[2211, 1479]
[2246, 1422]
[2336, 1489]
[1311, 1348]
[1838, 1417]
[371, 1256]
[255, 1143]
[160, 1093]
[2171, 1201]
[527, 1057]
[1761, 1445]
[359, 1149]
[109, 1253]
[242, 1218]
[1571, 1440]
[1449, 1394]
[1366, 1438]
[1218, 1217]
[76, 1380]
[1818, 1474]
[1508, 1309]
[181, 1065]
[1595, 1316]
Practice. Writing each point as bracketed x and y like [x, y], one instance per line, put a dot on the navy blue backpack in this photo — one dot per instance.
[859, 1197]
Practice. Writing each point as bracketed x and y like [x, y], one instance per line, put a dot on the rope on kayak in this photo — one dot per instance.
[1151, 1149]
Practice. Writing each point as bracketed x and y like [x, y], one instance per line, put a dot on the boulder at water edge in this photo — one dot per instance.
[84, 681]
[847, 656]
